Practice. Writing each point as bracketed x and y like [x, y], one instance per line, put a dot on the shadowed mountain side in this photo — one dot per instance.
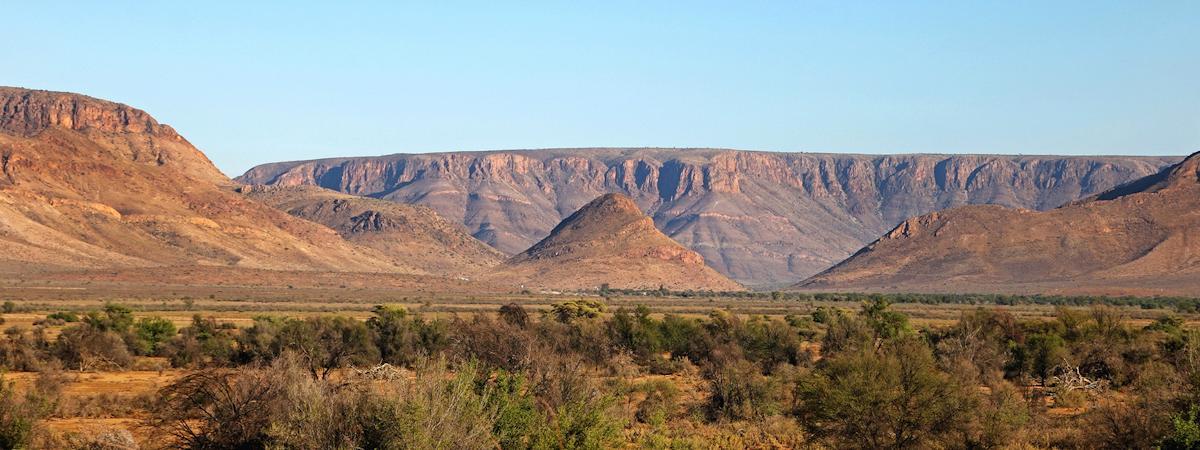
[414, 235]
[87, 183]
[758, 217]
[611, 241]
[1140, 238]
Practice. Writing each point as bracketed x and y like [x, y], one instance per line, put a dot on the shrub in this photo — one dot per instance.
[433, 410]
[513, 314]
[891, 398]
[576, 309]
[203, 344]
[738, 391]
[24, 351]
[84, 347]
[582, 424]
[19, 414]
[216, 408]
[64, 316]
[494, 344]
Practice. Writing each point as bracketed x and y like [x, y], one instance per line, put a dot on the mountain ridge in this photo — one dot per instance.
[1142, 237]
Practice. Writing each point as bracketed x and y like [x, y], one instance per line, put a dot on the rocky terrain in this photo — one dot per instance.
[758, 217]
[413, 234]
[88, 183]
[610, 241]
[1141, 238]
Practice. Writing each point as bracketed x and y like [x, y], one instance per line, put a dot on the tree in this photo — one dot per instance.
[327, 343]
[402, 338]
[154, 332]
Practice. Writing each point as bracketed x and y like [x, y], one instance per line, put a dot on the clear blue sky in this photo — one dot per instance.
[254, 84]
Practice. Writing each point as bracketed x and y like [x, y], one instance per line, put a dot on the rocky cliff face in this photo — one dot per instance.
[129, 132]
[758, 217]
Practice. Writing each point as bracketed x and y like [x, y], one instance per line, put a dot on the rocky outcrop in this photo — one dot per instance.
[26, 112]
[609, 241]
[759, 217]
[409, 234]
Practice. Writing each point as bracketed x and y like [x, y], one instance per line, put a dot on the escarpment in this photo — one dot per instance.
[758, 217]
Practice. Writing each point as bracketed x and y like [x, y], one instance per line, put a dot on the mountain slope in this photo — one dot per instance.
[86, 183]
[1142, 237]
[413, 234]
[609, 240]
[758, 217]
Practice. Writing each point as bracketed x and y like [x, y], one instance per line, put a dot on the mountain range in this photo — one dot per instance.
[101, 187]
[761, 218]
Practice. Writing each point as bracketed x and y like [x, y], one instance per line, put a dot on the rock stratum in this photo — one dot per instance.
[757, 217]
[1141, 238]
[90, 184]
[610, 241]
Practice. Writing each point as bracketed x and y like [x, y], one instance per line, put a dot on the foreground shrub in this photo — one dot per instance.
[891, 398]
[434, 410]
[217, 408]
[20, 413]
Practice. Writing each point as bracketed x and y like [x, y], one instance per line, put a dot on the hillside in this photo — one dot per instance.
[758, 217]
[413, 234]
[88, 183]
[609, 240]
[1140, 238]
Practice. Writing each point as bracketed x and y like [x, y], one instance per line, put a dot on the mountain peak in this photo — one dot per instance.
[606, 210]
[1185, 173]
[1188, 170]
[602, 219]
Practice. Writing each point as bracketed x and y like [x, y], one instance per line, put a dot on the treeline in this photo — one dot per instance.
[1179, 304]
[579, 376]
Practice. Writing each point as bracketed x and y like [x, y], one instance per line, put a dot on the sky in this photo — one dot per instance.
[250, 84]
